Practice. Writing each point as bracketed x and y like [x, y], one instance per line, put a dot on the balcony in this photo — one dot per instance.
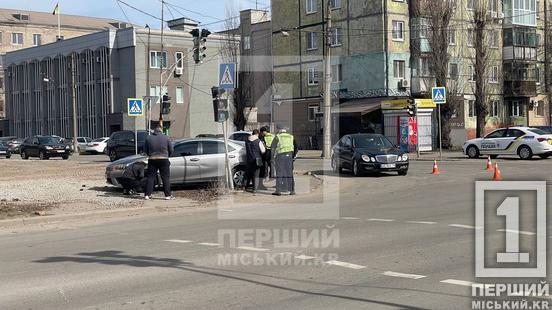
[520, 88]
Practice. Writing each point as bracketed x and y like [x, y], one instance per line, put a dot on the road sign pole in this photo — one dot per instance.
[135, 137]
[440, 135]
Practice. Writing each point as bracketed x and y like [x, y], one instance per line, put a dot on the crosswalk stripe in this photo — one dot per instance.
[209, 244]
[458, 282]
[249, 248]
[381, 220]
[421, 222]
[344, 264]
[350, 218]
[403, 275]
[178, 241]
[464, 226]
[521, 232]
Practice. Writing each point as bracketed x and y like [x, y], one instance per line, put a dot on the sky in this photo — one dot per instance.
[209, 12]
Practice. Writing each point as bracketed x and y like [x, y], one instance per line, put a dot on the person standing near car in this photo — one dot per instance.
[255, 149]
[284, 149]
[267, 137]
[159, 148]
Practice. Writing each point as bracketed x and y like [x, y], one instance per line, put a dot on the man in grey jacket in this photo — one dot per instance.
[159, 148]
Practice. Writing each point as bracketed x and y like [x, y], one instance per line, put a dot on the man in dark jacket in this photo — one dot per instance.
[254, 150]
[159, 148]
[133, 179]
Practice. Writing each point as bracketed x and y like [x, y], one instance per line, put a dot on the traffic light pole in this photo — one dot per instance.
[328, 86]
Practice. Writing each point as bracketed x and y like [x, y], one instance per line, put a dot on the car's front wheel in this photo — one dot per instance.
[8, 156]
[356, 169]
[112, 155]
[42, 155]
[24, 155]
[335, 165]
[525, 152]
[65, 157]
[238, 176]
[472, 151]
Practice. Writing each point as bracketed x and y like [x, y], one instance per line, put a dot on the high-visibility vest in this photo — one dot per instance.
[285, 143]
[268, 139]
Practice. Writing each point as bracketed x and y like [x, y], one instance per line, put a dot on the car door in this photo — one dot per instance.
[185, 163]
[33, 150]
[126, 144]
[212, 160]
[511, 141]
[346, 154]
[493, 143]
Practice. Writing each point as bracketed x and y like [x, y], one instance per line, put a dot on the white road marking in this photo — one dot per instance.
[225, 210]
[521, 232]
[344, 264]
[350, 218]
[249, 248]
[178, 241]
[381, 220]
[458, 282]
[304, 257]
[209, 244]
[403, 275]
[421, 222]
[464, 226]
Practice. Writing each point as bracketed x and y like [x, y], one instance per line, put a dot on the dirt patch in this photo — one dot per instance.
[21, 209]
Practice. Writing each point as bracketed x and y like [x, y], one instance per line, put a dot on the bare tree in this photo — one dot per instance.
[230, 51]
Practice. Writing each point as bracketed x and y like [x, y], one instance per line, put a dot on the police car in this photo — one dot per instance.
[522, 141]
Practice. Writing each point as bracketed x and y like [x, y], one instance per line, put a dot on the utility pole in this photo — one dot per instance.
[74, 102]
[162, 61]
[328, 86]
[148, 114]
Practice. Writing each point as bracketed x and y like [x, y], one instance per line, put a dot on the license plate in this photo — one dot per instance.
[388, 166]
[61, 151]
[2, 152]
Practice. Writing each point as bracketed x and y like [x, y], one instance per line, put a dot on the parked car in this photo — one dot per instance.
[44, 147]
[97, 146]
[547, 129]
[14, 145]
[239, 135]
[122, 144]
[521, 141]
[193, 161]
[368, 153]
[4, 150]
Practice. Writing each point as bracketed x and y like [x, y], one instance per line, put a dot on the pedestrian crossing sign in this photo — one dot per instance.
[135, 107]
[439, 95]
[227, 76]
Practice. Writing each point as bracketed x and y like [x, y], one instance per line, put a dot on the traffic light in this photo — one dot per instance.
[220, 108]
[166, 104]
[200, 39]
[411, 106]
[217, 92]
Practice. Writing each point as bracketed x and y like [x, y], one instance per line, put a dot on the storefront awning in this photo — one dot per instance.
[356, 107]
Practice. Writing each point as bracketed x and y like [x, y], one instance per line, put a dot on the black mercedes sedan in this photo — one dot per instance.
[44, 147]
[368, 153]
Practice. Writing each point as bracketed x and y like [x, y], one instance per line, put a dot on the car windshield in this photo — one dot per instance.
[538, 131]
[379, 142]
[48, 140]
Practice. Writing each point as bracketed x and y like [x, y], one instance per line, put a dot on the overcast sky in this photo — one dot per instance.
[205, 11]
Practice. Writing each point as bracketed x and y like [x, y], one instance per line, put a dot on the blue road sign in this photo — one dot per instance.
[135, 107]
[227, 76]
[439, 95]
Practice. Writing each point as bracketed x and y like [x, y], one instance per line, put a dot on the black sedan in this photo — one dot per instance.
[4, 150]
[368, 153]
[44, 147]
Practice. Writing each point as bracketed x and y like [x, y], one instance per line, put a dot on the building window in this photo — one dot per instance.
[539, 109]
[516, 109]
[179, 59]
[538, 9]
[471, 73]
[494, 108]
[423, 69]
[424, 26]
[312, 6]
[312, 110]
[312, 77]
[311, 41]
[494, 35]
[453, 71]
[37, 39]
[179, 94]
[471, 108]
[471, 37]
[494, 74]
[17, 38]
[335, 4]
[158, 58]
[337, 75]
[398, 69]
[398, 30]
[452, 36]
[247, 43]
[470, 4]
[335, 37]
[492, 5]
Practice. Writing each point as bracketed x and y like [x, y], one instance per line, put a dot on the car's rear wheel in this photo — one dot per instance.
[525, 152]
[544, 156]
[112, 155]
[42, 155]
[335, 165]
[472, 151]
[8, 156]
[356, 169]
[238, 176]
[24, 155]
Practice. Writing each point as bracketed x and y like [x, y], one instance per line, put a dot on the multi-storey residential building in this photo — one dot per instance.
[111, 66]
[370, 56]
[21, 29]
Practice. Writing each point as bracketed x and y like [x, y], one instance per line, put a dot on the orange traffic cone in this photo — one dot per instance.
[489, 164]
[435, 168]
[497, 176]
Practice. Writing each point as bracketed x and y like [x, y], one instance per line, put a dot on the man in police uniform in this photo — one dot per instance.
[267, 137]
[284, 149]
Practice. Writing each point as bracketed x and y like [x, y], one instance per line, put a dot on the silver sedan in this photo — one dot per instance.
[193, 161]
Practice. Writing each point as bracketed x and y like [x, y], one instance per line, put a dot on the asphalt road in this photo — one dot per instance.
[396, 243]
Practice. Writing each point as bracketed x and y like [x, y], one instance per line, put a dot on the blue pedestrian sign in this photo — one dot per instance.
[227, 76]
[439, 95]
[135, 107]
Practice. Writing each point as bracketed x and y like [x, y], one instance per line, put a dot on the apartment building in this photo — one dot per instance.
[370, 57]
[20, 29]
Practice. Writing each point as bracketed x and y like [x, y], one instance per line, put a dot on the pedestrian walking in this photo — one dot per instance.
[134, 180]
[267, 137]
[254, 150]
[159, 148]
[284, 149]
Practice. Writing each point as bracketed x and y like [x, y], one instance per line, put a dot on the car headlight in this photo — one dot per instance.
[49, 148]
[119, 167]
[405, 157]
[366, 158]
[373, 159]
